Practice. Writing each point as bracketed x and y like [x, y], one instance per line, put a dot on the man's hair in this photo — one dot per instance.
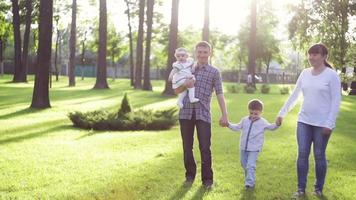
[180, 50]
[255, 104]
[203, 44]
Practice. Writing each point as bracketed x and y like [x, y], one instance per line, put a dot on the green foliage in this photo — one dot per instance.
[284, 90]
[249, 89]
[137, 120]
[265, 89]
[234, 88]
[125, 106]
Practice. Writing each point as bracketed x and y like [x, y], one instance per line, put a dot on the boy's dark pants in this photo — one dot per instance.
[204, 136]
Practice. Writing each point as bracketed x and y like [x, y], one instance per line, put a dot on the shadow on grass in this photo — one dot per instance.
[247, 194]
[34, 134]
[200, 193]
[20, 112]
[180, 193]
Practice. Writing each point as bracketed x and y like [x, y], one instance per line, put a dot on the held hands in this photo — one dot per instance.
[224, 122]
[279, 121]
[326, 131]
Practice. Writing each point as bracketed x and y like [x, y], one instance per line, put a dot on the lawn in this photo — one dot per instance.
[43, 157]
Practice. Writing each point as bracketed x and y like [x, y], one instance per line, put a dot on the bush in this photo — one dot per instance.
[125, 106]
[249, 89]
[284, 90]
[265, 89]
[234, 88]
[137, 120]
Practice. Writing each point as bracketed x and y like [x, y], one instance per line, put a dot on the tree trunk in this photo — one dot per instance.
[139, 47]
[1, 57]
[17, 40]
[132, 67]
[252, 43]
[173, 32]
[40, 98]
[72, 42]
[82, 58]
[56, 52]
[26, 39]
[101, 82]
[206, 21]
[146, 81]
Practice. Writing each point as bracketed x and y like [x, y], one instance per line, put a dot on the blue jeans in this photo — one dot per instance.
[306, 135]
[248, 162]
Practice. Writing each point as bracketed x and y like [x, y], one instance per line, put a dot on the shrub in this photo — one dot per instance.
[125, 106]
[249, 89]
[265, 89]
[136, 120]
[234, 88]
[284, 90]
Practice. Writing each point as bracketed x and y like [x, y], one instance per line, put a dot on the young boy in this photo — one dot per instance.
[182, 70]
[251, 140]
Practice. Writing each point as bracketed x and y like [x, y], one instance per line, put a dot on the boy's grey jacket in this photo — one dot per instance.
[252, 136]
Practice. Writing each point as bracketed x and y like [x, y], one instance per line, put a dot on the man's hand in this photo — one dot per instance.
[279, 121]
[326, 131]
[189, 83]
[224, 122]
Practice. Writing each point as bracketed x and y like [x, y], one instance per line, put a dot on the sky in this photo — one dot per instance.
[225, 15]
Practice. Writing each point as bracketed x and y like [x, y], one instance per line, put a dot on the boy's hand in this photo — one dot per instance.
[279, 121]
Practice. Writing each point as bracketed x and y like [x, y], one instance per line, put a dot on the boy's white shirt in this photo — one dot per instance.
[321, 98]
[256, 136]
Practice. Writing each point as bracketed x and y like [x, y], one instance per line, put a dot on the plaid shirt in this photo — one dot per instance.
[207, 78]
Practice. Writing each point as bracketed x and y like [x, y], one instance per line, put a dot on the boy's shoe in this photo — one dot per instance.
[249, 187]
[298, 194]
[180, 105]
[188, 181]
[318, 193]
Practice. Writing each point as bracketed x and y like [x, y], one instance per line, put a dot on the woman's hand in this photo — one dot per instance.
[326, 131]
[279, 121]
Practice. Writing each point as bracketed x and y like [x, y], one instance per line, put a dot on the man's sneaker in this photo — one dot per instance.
[188, 181]
[318, 193]
[298, 194]
[208, 185]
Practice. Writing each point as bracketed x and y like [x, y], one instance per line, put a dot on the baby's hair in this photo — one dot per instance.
[181, 50]
[255, 104]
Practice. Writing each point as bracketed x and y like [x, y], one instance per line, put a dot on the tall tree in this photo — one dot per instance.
[5, 31]
[173, 34]
[26, 37]
[18, 76]
[132, 66]
[101, 82]
[139, 46]
[206, 20]
[146, 81]
[252, 42]
[72, 44]
[40, 98]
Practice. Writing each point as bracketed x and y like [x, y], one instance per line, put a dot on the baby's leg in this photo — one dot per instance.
[180, 98]
[191, 95]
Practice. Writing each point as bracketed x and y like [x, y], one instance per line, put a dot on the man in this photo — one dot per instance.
[197, 115]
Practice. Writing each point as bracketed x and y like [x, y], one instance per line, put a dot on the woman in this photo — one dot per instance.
[320, 87]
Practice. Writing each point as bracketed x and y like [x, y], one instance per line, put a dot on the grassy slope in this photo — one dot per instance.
[42, 156]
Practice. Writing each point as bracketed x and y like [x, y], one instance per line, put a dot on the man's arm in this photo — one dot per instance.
[189, 83]
[224, 118]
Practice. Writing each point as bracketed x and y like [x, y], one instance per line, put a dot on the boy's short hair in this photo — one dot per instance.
[181, 50]
[255, 104]
[203, 44]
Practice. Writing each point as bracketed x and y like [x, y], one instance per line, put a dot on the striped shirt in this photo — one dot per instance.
[208, 78]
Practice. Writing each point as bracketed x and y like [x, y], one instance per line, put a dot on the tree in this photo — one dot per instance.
[146, 81]
[206, 21]
[252, 42]
[5, 31]
[18, 72]
[101, 82]
[72, 44]
[132, 67]
[326, 22]
[173, 33]
[139, 47]
[28, 18]
[40, 98]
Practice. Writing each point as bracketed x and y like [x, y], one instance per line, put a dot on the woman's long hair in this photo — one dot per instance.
[320, 49]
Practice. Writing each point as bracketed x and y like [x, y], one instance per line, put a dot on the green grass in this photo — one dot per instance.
[43, 157]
